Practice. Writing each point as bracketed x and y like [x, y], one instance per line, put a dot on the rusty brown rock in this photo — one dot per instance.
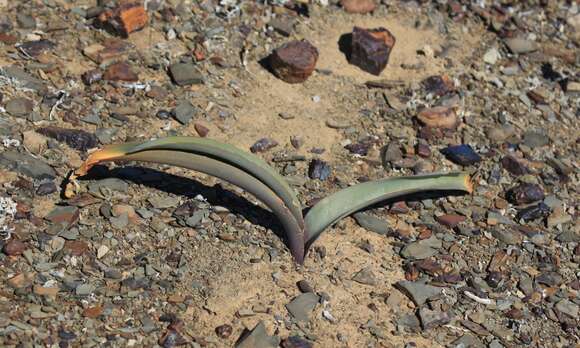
[120, 71]
[76, 247]
[439, 117]
[370, 49]
[127, 17]
[294, 61]
[93, 312]
[201, 129]
[50, 291]
[14, 247]
[358, 6]
[450, 220]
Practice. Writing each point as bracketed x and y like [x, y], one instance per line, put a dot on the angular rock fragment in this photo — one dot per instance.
[75, 138]
[294, 61]
[120, 71]
[463, 154]
[358, 6]
[257, 337]
[19, 107]
[438, 84]
[302, 305]
[418, 292]
[520, 46]
[525, 194]
[35, 48]
[185, 74]
[370, 49]
[127, 17]
[263, 144]
[26, 165]
[439, 117]
[514, 165]
[92, 76]
[318, 169]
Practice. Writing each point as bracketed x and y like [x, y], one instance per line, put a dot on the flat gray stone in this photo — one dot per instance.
[258, 338]
[535, 139]
[19, 107]
[113, 184]
[418, 250]
[365, 276]
[467, 341]
[568, 307]
[105, 135]
[432, 318]
[23, 79]
[520, 46]
[84, 289]
[184, 112]
[27, 165]
[372, 223]
[418, 292]
[26, 21]
[302, 305]
[185, 74]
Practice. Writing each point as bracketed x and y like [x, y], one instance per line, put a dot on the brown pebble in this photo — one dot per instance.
[126, 18]
[358, 6]
[224, 331]
[294, 61]
[93, 312]
[120, 71]
[399, 208]
[514, 166]
[423, 150]
[201, 129]
[8, 39]
[50, 291]
[439, 117]
[14, 247]
[370, 49]
[304, 286]
[450, 220]
[76, 247]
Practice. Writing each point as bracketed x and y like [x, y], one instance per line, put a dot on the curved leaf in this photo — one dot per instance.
[347, 201]
[294, 231]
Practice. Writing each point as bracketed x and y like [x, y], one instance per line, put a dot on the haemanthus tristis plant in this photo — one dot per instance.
[252, 174]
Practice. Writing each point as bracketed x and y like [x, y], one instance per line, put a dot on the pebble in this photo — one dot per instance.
[26, 164]
[370, 49]
[318, 169]
[508, 236]
[125, 18]
[438, 85]
[14, 247]
[534, 212]
[201, 130]
[19, 107]
[365, 276]
[432, 318]
[525, 194]
[224, 331]
[184, 74]
[501, 133]
[358, 6]
[535, 139]
[372, 223]
[304, 286]
[439, 117]
[450, 220]
[418, 251]
[568, 307]
[463, 154]
[296, 342]
[520, 46]
[491, 56]
[99, 187]
[258, 337]
[84, 289]
[338, 124]
[263, 145]
[184, 112]
[419, 292]
[26, 21]
[302, 305]
[283, 25]
[75, 138]
[294, 61]
[514, 166]
[120, 71]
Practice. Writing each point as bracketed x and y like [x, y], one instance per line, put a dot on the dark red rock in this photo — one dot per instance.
[14, 247]
[525, 194]
[8, 39]
[370, 49]
[75, 138]
[224, 331]
[201, 129]
[514, 166]
[438, 84]
[76, 247]
[120, 71]
[127, 17]
[423, 150]
[450, 220]
[263, 144]
[294, 61]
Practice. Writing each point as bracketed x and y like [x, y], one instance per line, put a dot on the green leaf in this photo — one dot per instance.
[347, 201]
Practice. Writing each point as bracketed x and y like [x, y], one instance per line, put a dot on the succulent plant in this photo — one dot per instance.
[252, 174]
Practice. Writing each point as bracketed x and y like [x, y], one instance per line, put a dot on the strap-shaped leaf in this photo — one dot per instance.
[245, 161]
[232, 174]
[347, 201]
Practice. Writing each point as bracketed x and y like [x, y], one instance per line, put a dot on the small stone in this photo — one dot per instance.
[370, 49]
[439, 117]
[432, 318]
[438, 85]
[358, 6]
[127, 17]
[499, 134]
[92, 76]
[535, 212]
[36, 47]
[184, 112]
[318, 169]
[550, 278]
[19, 107]
[463, 154]
[491, 56]
[84, 289]
[296, 342]
[514, 166]
[283, 25]
[418, 251]
[520, 46]
[372, 223]
[120, 71]
[257, 337]
[34, 142]
[525, 194]
[535, 139]
[391, 153]
[157, 93]
[338, 123]
[184, 74]
[450, 220]
[49, 291]
[27, 165]
[14, 247]
[302, 305]
[224, 331]
[26, 21]
[294, 61]
[76, 247]
[304, 286]
[112, 184]
[46, 188]
[467, 341]
[75, 138]
[360, 149]
[21, 280]
[365, 276]
[201, 130]
[508, 236]
[296, 141]
[93, 312]
[263, 144]
[568, 307]
[102, 251]
[418, 292]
